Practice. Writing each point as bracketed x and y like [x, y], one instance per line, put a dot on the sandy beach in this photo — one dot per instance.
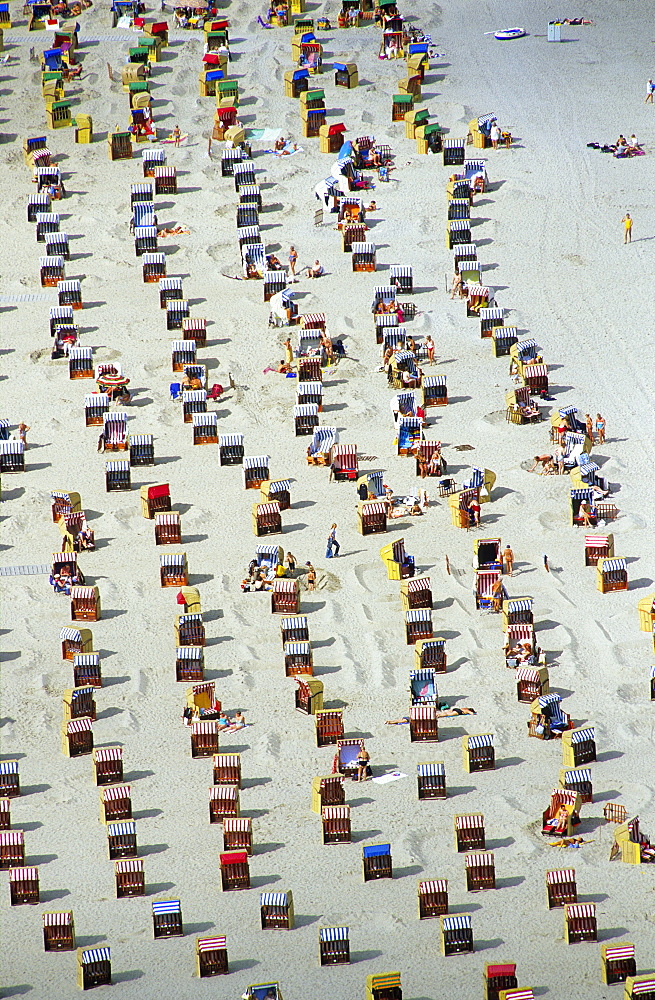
[550, 240]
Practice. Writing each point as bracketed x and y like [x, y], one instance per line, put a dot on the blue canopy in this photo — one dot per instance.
[346, 151]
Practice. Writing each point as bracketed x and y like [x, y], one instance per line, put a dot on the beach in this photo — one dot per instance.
[549, 236]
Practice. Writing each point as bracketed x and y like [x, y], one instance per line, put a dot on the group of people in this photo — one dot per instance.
[66, 578]
[191, 714]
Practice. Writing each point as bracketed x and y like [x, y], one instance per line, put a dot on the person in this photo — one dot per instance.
[546, 565]
[326, 344]
[311, 577]
[288, 353]
[589, 425]
[273, 262]
[633, 143]
[176, 135]
[558, 459]
[281, 367]
[187, 715]
[291, 563]
[627, 222]
[429, 347]
[386, 360]
[498, 595]
[474, 512]
[316, 271]
[363, 765]
[85, 539]
[372, 207]
[457, 286]
[280, 143]
[600, 428]
[293, 257]
[508, 560]
[237, 723]
[332, 540]
[409, 381]
[22, 433]
[494, 135]
[544, 460]
[650, 90]
[416, 509]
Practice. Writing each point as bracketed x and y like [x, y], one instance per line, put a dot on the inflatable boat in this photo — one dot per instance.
[509, 33]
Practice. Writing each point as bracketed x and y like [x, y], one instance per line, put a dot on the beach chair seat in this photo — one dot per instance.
[432, 781]
[194, 328]
[580, 922]
[211, 957]
[121, 840]
[115, 803]
[398, 563]
[77, 737]
[327, 791]
[168, 529]
[308, 694]
[432, 898]
[561, 887]
[579, 746]
[562, 814]
[189, 663]
[345, 759]
[12, 456]
[416, 593]
[12, 849]
[231, 451]
[235, 871]
[294, 629]
[130, 878]
[167, 918]
[155, 499]
[456, 934]
[93, 967]
[376, 861]
[298, 659]
[363, 256]
[329, 727]
[469, 832]
[87, 671]
[223, 801]
[531, 682]
[23, 886]
[204, 737]
[336, 824]
[418, 625]
[79, 703]
[431, 654]
[480, 872]
[58, 931]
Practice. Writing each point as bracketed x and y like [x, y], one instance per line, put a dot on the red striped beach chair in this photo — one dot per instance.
[85, 604]
[235, 871]
[432, 898]
[336, 824]
[469, 832]
[121, 840]
[334, 946]
[416, 593]
[5, 814]
[480, 872]
[130, 878]
[227, 769]
[580, 922]
[597, 547]
[456, 934]
[285, 597]
[64, 503]
[77, 737]
[204, 738]
[58, 931]
[423, 725]
[93, 967]
[211, 957]
[308, 695]
[108, 764]
[617, 962]
[640, 988]
[237, 834]
[343, 462]
[371, 517]
[485, 581]
[562, 814]
[329, 727]
[167, 919]
[223, 801]
[561, 887]
[23, 886]
[168, 529]
[531, 682]
[115, 431]
[517, 994]
[115, 803]
[266, 519]
[432, 780]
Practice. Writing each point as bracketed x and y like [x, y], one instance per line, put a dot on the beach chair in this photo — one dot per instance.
[305, 418]
[46, 223]
[491, 317]
[205, 427]
[58, 931]
[562, 814]
[51, 271]
[96, 406]
[478, 753]
[597, 547]
[183, 353]
[329, 727]
[69, 292]
[263, 991]
[617, 963]
[255, 471]
[223, 801]
[145, 241]
[336, 824]
[631, 845]
[344, 466]
[363, 257]
[434, 390]
[432, 898]
[204, 736]
[431, 654]
[115, 803]
[611, 575]
[646, 609]
[615, 813]
[12, 456]
[142, 449]
[119, 145]
[578, 746]
[37, 203]
[480, 872]
[309, 694]
[531, 683]
[416, 593]
[388, 332]
[485, 581]
[243, 174]
[230, 452]
[168, 529]
[310, 392]
[460, 208]
[428, 138]
[12, 849]
[376, 861]
[227, 769]
[561, 887]
[189, 630]
[153, 267]
[432, 782]
[334, 946]
[422, 687]
[194, 329]
[276, 910]
[80, 363]
[469, 832]
[285, 597]
[418, 625]
[5, 814]
[189, 663]
[535, 377]
[130, 878]
[211, 957]
[115, 431]
[487, 553]
[23, 886]
[237, 834]
[117, 477]
[639, 988]
[155, 499]
[165, 178]
[548, 721]
[309, 370]
[502, 340]
[414, 120]
[423, 725]
[173, 570]
[235, 871]
[578, 780]
[294, 629]
[79, 703]
[64, 503]
[298, 659]
[580, 922]
[329, 791]
[121, 840]
[498, 978]
[312, 121]
[371, 517]
[202, 697]
[398, 564]
[456, 934]
[459, 503]
[85, 606]
[345, 759]
[453, 152]
[517, 611]
[9, 779]
[177, 310]
[167, 919]
[86, 670]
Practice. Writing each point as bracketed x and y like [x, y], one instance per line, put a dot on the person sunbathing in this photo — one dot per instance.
[445, 713]
[239, 722]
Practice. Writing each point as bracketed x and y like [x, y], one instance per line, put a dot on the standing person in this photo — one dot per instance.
[600, 428]
[498, 595]
[311, 577]
[650, 90]
[363, 765]
[288, 353]
[291, 563]
[293, 258]
[508, 560]
[332, 540]
[22, 433]
[494, 135]
[429, 346]
[546, 566]
[558, 457]
[590, 427]
[176, 135]
[627, 222]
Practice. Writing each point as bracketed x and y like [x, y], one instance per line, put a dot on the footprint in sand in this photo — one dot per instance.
[364, 575]
[273, 744]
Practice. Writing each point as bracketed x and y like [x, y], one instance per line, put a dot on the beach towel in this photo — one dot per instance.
[263, 134]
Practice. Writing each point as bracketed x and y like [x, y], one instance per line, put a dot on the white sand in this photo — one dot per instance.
[549, 233]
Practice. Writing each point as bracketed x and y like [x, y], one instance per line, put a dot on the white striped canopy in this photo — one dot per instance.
[485, 740]
[228, 792]
[438, 768]
[619, 952]
[173, 559]
[79, 726]
[613, 565]
[400, 271]
[69, 285]
[97, 400]
[11, 837]
[433, 885]
[102, 754]
[116, 793]
[86, 659]
[193, 395]
[129, 865]
[204, 419]
[423, 711]
[296, 623]
[522, 604]
[583, 735]
[230, 440]
[63, 918]
[80, 353]
[479, 860]
[418, 584]
[462, 923]
[255, 461]
[560, 875]
[189, 653]
[285, 586]
[166, 906]
[226, 760]
[23, 874]
[234, 824]
[527, 674]
[336, 812]
[306, 409]
[167, 518]
[577, 911]
[211, 944]
[297, 648]
[334, 933]
[577, 776]
[95, 955]
[9, 767]
[473, 821]
[204, 728]
[418, 614]
[122, 466]
[273, 899]
[268, 508]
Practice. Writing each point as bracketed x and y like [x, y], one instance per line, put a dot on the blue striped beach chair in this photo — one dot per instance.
[177, 311]
[255, 471]
[578, 780]
[167, 918]
[189, 663]
[334, 945]
[579, 746]
[548, 719]
[456, 934]
[305, 418]
[323, 440]
[478, 752]
[298, 659]
[276, 910]
[121, 840]
[431, 780]
[117, 477]
[173, 570]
